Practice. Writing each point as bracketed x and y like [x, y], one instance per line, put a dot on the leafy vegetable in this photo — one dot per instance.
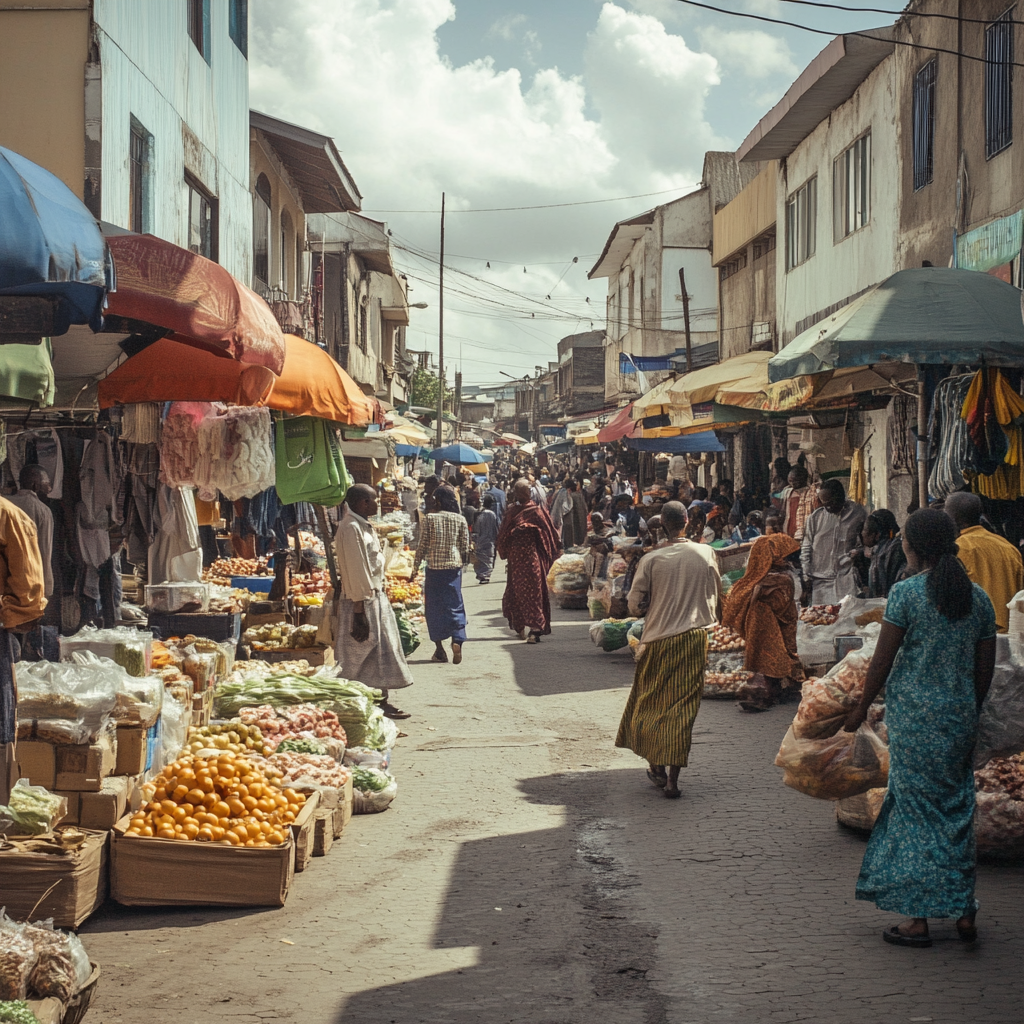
[17, 1012]
[34, 808]
[287, 689]
[370, 780]
[302, 747]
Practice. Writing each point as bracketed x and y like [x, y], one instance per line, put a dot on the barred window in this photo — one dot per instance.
[999, 85]
[802, 224]
[924, 124]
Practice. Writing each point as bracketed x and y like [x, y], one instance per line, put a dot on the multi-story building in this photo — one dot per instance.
[647, 260]
[294, 172]
[141, 109]
[362, 301]
[579, 380]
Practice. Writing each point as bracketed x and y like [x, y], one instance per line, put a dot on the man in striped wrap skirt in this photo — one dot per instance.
[677, 589]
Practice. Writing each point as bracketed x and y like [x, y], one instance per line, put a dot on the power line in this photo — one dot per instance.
[862, 35]
[898, 14]
[546, 206]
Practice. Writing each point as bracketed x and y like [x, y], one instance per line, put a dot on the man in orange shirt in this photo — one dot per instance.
[991, 561]
[22, 602]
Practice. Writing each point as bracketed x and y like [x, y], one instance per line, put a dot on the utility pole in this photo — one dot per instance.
[440, 334]
[686, 318]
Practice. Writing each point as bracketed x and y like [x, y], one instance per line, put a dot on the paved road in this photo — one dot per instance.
[528, 872]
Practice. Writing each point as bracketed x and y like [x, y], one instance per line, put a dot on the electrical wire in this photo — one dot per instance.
[545, 206]
[829, 32]
[899, 14]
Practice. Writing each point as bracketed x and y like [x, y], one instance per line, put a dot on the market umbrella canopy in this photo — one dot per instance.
[311, 384]
[621, 425]
[51, 245]
[509, 440]
[163, 284]
[926, 316]
[458, 455]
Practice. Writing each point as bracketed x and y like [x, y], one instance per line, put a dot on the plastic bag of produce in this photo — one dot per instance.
[999, 818]
[62, 966]
[599, 598]
[610, 634]
[815, 642]
[1001, 723]
[825, 702]
[860, 811]
[104, 642]
[175, 720]
[725, 684]
[372, 790]
[407, 631]
[32, 810]
[17, 958]
[839, 766]
[363, 757]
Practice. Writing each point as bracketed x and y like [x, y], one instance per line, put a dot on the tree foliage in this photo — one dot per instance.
[423, 389]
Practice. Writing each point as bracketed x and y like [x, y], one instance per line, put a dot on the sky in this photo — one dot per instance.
[595, 109]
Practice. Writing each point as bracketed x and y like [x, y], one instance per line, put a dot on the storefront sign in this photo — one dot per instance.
[990, 245]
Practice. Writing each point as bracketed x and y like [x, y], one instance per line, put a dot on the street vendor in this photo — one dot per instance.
[22, 603]
[761, 608]
[368, 646]
[830, 534]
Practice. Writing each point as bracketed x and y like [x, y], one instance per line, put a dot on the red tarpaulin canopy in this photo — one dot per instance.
[621, 426]
[197, 299]
[311, 383]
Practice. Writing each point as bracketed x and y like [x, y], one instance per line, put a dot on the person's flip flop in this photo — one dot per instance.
[897, 938]
[659, 780]
[968, 934]
[456, 654]
[673, 794]
[533, 639]
[390, 711]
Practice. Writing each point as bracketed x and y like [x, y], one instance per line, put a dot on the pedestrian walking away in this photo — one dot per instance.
[935, 658]
[529, 544]
[444, 545]
[676, 589]
[485, 533]
[368, 646]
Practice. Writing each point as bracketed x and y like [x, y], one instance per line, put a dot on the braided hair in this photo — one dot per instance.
[931, 535]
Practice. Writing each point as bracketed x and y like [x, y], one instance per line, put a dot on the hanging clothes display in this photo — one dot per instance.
[858, 491]
[994, 414]
[983, 423]
[96, 510]
[951, 445]
[176, 552]
[46, 446]
[900, 436]
[179, 443]
[140, 423]
[235, 453]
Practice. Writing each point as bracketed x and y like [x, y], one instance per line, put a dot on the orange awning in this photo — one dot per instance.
[311, 384]
[205, 306]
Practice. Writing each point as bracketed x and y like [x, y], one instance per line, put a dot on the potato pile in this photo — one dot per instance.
[234, 736]
[722, 638]
[222, 800]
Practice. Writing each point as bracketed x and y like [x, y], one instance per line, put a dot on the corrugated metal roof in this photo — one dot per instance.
[314, 163]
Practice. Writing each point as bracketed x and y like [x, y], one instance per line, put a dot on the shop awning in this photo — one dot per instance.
[587, 437]
[682, 444]
[311, 384]
[621, 425]
[809, 392]
[50, 245]
[924, 316]
[163, 284]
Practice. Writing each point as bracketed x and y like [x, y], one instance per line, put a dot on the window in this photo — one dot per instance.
[238, 24]
[261, 232]
[851, 188]
[199, 25]
[999, 85]
[924, 124]
[202, 220]
[801, 224]
[363, 323]
[286, 223]
[139, 145]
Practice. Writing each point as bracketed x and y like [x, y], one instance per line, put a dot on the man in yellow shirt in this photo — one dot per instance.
[991, 562]
[22, 602]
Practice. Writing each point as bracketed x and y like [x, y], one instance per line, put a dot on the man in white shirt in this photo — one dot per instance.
[34, 484]
[368, 646]
[676, 588]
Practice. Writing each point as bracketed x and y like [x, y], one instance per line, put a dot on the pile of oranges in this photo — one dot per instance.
[218, 799]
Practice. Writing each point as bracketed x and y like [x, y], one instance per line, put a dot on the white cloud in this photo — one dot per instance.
[507, 28]
[370, 74]
[756, 54]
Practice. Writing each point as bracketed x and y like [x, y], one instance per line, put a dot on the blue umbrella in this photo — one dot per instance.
[50, 244]
[458, 455]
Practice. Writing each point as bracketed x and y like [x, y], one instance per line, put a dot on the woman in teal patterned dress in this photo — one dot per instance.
[935, 657]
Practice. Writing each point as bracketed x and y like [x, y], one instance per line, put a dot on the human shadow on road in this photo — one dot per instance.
[543, 909]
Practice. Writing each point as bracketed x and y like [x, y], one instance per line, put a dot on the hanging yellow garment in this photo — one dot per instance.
[1006, 483]
[858, 477]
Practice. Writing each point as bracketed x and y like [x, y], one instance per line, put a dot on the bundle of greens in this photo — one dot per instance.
[285, 689]
[16, 1012]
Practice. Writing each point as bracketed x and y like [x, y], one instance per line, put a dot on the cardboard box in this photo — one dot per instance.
[319, 655]
[202, 708]
[74, 800]
[84, 767]
[151, 872]
[131, 750]
[31, 866]
[339, 822]
[104, 809]
[349, 803]
[36, 761]
[302, 830]
[323, 833]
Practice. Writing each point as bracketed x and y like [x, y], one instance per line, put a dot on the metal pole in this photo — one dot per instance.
[686, 318]
[922, 439]
[440, 334]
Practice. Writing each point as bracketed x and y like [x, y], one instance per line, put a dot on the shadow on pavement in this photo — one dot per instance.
[539, 907]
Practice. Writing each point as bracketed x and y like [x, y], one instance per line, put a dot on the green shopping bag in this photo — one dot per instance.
[310, 466]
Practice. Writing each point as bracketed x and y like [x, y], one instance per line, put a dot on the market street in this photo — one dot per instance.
[527, 871]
